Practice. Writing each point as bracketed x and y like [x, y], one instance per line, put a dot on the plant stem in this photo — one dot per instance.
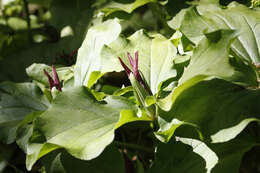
[28, 20]
[133, 146]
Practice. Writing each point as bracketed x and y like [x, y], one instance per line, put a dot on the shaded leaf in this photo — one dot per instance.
[80, 124]
[222, 105]
[16, 101]
[89, 58]
[211, 17]
[177, 157]
[110, 161]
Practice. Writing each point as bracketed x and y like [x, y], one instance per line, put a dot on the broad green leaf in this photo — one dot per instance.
[33, 151]
[162, 54]
[213, 106]
[80, 124]
[199, 157]
[129, 7]
[110, 161]
[177, 157]
[24, 130]
[202, 150]
[207, 61]
[155, 57]
[16, 101]
[89, 58]
[230, 133]
[103, 44]
[211, 17]
[231, 153]
[167, 102]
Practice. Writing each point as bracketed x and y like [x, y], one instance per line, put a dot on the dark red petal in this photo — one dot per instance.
[135, 67]
[136, 60]
[56, 78]
[127, 70]
[51, 82]
[131, 60]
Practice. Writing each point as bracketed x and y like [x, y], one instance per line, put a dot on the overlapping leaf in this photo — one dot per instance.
[195, 21]
[110, 161]
[221, 106]
[156, 54]
[78, 123]
[177, 157]
[89, 58]
[16, 101]
[207, 62]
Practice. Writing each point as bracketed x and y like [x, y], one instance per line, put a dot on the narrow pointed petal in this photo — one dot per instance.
[136, 60]
[131, 60]
[51, 82]
[135, 67]
[56, 78]
[127, 70]
[55, 75]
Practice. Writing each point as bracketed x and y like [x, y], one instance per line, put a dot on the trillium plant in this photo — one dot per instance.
[154, 87]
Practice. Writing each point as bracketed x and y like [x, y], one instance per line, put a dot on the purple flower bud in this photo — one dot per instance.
[53, 82]
[134, 65]
[127, 70]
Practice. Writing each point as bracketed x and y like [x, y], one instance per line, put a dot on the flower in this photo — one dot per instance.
[134, 65]
[53, 82]
[140, 87]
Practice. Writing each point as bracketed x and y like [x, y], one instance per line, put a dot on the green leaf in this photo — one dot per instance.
[177, 157]
[94, 76]
[110, 161]
[213, 106]
[155, 57]
[129, 7]
[16, 101]
[231, 153]
[230, 133]
[208, 61]
[80, 124]
[162, 68]
[211, 18]
[123, 91]
[203, 150]
[89, 58]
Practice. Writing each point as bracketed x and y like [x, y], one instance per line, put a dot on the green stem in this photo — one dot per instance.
[28, 20]
[133, 146]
